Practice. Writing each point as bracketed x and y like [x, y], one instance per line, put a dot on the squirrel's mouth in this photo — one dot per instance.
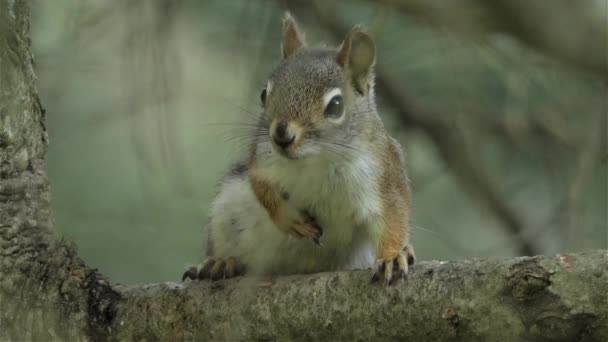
[300, 150]
[285, 153]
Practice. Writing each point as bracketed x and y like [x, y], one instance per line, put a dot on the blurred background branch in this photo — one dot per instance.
[574, 32]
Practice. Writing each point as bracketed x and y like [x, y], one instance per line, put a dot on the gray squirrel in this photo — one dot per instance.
[323, 187]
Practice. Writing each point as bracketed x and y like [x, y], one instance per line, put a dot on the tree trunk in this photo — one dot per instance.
[48, 293]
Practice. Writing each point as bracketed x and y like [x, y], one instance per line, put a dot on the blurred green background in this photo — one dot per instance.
[506, 147]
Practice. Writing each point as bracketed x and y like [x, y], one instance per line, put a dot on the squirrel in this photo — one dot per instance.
[323, 186]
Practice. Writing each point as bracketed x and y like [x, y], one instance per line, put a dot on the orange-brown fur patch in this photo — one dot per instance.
[271, 200]
[394, 192]
[266, 194]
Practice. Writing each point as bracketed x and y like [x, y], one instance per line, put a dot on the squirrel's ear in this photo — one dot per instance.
[292, 39]
[357, 55]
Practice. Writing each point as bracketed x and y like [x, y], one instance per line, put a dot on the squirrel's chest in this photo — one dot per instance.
[337, 194]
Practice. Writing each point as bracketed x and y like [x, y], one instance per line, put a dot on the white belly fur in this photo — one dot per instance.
[342, 197]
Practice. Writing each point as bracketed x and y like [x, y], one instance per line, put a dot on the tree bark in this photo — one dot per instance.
[48, 293]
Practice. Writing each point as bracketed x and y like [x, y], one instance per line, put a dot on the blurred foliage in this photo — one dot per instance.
[137, 93]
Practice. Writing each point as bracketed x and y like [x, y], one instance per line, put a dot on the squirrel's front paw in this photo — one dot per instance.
[215, 269]
[396, 267]
[302, 226]
[307, 227]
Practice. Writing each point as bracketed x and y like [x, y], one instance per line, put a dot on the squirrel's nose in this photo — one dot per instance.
[281, 135]
[284, 142]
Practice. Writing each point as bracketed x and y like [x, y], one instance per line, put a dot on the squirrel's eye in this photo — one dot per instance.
[263, 97]
[335, 107]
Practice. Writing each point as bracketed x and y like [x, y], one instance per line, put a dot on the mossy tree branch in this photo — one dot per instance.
[48, 293]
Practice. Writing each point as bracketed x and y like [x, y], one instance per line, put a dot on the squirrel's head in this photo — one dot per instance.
[316, 97]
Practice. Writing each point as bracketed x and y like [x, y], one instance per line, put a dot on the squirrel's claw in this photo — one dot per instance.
[307, 228]
[386, 269]
[393, 268]
[191, 273]
[215, 269]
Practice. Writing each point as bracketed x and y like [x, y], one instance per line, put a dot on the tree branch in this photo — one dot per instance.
[524, 298]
